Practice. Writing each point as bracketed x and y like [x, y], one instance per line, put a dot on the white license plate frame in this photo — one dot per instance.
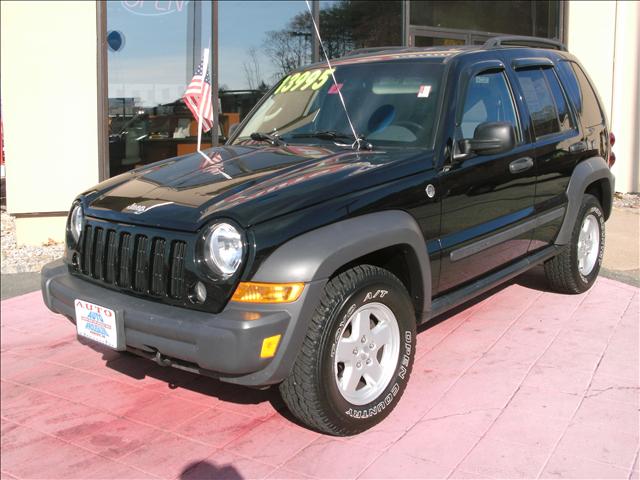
[100, 324]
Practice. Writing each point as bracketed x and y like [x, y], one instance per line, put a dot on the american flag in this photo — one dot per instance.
[199, 92]
[212, 164]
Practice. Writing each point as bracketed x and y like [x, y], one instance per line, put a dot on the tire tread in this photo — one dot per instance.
[300, 389]
[561, 270]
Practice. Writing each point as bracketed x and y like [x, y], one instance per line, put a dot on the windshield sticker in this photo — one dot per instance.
[335, 88]
[307, 80]
[482, 79]
[424, 91]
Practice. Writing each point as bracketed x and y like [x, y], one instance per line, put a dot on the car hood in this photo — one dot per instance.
[248, 184]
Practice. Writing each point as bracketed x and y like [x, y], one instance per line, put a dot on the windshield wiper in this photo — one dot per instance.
[324, 134]
[332, 135]
[266, 137]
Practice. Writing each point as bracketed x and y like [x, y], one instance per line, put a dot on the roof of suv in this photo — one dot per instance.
[365, 55]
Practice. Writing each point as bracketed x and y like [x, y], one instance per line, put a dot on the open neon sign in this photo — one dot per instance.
[154, 8]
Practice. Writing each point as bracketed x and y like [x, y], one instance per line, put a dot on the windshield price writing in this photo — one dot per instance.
[301, 81]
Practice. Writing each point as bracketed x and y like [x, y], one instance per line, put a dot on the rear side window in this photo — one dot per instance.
[589, 109]
[571, 84]
[539, 100]
[564, 114]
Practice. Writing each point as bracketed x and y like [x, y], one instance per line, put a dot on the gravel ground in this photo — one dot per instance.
[626, 200]
[26, 258]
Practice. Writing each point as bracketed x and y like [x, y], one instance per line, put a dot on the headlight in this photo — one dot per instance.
[223, 249]
[76, 220]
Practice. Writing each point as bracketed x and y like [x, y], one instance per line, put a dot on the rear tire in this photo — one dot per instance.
[357, 355]
[577, 267]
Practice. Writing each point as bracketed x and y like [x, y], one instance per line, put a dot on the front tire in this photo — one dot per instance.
[577, 267]
[357, 355]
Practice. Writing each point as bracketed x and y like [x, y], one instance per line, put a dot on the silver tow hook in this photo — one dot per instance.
[162, 361]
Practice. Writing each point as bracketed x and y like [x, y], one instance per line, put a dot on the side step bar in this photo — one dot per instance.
[458, 297]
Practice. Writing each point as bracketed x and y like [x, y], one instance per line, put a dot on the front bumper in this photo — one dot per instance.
[225, 345]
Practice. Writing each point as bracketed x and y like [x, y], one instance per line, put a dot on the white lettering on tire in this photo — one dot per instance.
[377, 294]
[395, 389]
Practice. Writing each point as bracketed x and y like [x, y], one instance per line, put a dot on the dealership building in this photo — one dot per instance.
[92, 89]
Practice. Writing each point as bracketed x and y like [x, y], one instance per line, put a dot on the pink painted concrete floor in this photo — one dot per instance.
[523, 383]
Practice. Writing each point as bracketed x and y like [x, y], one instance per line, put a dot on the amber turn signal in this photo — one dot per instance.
[269, 346]
[251, 292]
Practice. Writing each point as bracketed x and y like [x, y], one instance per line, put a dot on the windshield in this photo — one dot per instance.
[390, 104]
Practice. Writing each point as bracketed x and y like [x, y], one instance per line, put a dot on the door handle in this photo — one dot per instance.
[521, 165]
[578, 147]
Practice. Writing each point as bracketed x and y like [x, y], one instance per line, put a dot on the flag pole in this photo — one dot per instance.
[358, 139]
[205, 70]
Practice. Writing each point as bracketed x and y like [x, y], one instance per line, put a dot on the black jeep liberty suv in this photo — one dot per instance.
[297, 255]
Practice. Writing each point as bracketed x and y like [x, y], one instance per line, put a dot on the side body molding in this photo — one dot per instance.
[317, 254]
[585, 173]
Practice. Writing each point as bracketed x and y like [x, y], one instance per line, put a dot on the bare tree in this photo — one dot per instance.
[252, 69]
[290, 48]
[287, 50]
[345, 25]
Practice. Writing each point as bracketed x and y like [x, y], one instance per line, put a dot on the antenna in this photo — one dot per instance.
[358, 140]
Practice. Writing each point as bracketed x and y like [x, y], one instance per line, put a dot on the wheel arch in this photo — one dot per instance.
[601, 189]
[402, 261]
[590, 176]
[391, 239]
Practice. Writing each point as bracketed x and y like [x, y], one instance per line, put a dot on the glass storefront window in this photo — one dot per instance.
[348, 25]
[155, 46]
[517, 17]
[277, 38]
[153, 50]
[258, 43]
[433, 41]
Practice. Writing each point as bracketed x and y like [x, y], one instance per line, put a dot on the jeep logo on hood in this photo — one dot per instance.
[138, 208]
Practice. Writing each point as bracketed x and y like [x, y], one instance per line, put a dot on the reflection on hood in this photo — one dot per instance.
[266, 181]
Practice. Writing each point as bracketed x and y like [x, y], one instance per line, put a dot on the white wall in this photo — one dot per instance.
[625, 105]
[49, 103]
[605, 36]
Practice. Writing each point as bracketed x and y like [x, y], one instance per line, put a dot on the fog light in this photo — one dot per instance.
[251, 292]
[269, 346]
[200, 292]
[251, 316]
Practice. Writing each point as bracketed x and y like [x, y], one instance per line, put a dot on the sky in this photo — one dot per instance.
[152, 64]
[243, 25]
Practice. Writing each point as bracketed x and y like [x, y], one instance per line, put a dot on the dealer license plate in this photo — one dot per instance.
[97, 323]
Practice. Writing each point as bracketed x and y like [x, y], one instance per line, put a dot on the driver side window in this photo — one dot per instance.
[488, 99]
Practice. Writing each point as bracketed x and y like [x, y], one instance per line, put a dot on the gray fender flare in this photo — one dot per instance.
[585, 173]
[317, 254]
[314, 256]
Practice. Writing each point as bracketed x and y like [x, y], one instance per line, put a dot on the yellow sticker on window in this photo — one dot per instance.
[301, 81]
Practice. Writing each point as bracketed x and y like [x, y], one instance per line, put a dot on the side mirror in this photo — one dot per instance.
[232, 129]
[490, 138]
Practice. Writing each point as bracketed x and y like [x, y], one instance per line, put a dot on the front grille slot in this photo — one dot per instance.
[158, 284]
[98, 263]
[126, 260]
[141, 279]
[145, 264]
[87, 249]
[112, 254]
[177, 270]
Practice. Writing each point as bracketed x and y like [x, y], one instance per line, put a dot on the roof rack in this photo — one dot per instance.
[360, 51]
[520, 41]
